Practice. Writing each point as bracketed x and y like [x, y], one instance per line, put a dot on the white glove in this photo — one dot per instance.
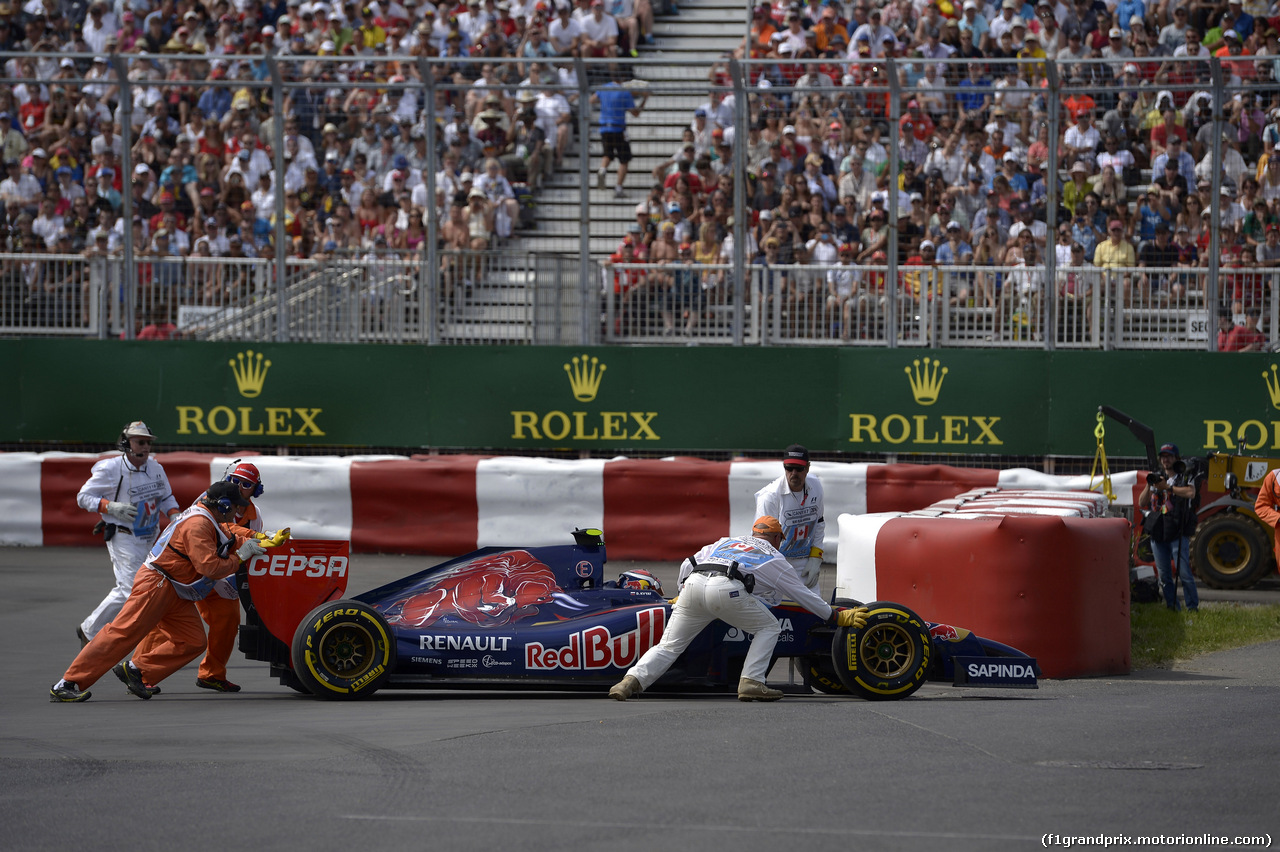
[122, 511]
[226, 588]
[813, 568]
[250, 549]
[812, 571]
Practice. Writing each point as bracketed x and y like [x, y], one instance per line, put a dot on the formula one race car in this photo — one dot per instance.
[545, 617]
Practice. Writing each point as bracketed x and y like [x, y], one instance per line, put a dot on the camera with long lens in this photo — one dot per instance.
[1154, 480]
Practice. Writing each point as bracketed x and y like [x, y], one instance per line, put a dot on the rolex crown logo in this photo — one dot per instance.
[926, 382]
[250, 372]
[585, 374]
[1273, 386]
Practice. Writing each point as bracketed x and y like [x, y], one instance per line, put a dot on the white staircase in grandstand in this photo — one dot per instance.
[703, 31]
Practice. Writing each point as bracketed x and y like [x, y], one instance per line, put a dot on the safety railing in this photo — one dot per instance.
[949, 131]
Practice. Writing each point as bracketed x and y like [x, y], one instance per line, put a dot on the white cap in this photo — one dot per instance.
[924, 244]
[141, 169]
[1115, 32]
[790, 128]
[969, 4]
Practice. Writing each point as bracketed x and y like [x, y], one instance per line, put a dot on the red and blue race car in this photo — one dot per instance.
[546, 617]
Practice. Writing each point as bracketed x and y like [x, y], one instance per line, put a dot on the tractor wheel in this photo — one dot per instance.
[1229, 551]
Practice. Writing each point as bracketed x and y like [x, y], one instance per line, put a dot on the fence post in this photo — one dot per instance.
[584, 194]
[277, 157]
[1211, 283]
[429, 280]
[891, 204]
[130, 307]
[1049, 308]
[741, 119]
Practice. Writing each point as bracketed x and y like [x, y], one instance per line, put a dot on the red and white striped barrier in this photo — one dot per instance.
[1043, 572]
[658, 509]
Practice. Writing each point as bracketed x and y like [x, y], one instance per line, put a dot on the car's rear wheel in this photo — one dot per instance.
[887, 659]
[343, 650]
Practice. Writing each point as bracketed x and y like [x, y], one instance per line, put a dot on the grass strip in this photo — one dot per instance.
[1160, 636]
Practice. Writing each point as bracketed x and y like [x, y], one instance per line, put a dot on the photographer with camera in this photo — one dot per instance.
[1171, 499]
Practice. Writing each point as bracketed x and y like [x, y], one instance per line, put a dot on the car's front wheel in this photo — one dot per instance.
[887, 659]
[343, 649]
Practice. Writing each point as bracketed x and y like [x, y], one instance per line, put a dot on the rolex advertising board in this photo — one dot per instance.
[628, 399]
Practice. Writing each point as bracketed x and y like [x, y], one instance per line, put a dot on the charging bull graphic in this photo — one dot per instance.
[490, 591]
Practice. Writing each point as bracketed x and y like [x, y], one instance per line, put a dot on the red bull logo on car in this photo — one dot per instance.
[597, 648]
[488, 591]
[947, 632]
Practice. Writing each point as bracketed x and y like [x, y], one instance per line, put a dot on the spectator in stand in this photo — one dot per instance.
[1159, 254]
[1226, 325]
[1116, 252]
[1247, 337]
[599, 32]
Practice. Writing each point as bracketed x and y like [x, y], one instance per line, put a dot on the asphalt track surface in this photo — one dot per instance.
[1192, 751]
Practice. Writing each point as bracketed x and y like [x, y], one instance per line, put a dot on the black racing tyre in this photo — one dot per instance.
[820, 675]
[343, 650]
[1229, 551]
[819, 672]
[289, 678]
[886, 660]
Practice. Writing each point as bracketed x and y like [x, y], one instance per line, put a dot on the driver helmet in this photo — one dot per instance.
[639, 579]
[244, 474]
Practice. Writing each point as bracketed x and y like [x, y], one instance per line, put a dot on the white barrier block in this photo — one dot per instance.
[529, 501]
[1022, 477]
[856, 560]
[20, 507]
[309, 494]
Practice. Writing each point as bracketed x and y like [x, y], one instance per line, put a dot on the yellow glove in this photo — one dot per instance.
[673, 600]
[274, 539]
[855, 618]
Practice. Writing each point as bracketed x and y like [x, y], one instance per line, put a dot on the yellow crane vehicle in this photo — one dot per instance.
[1232, 547]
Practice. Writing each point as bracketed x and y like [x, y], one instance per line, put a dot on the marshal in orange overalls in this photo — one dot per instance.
[189, 554]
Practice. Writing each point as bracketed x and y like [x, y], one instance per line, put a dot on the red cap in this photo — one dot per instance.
[246, 473]
[1115, 223]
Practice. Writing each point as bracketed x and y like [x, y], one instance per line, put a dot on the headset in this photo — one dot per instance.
[122, 443]
[222, 504]
[245, 471]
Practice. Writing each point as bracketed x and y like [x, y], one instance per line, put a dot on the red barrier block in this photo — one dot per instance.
[64, 523]
[1055, 588]
[664, 510]
[907, 487]
[67, 525]
[426, 504]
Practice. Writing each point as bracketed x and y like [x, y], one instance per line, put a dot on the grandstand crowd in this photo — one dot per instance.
[1134, 162]
[1134, 168]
